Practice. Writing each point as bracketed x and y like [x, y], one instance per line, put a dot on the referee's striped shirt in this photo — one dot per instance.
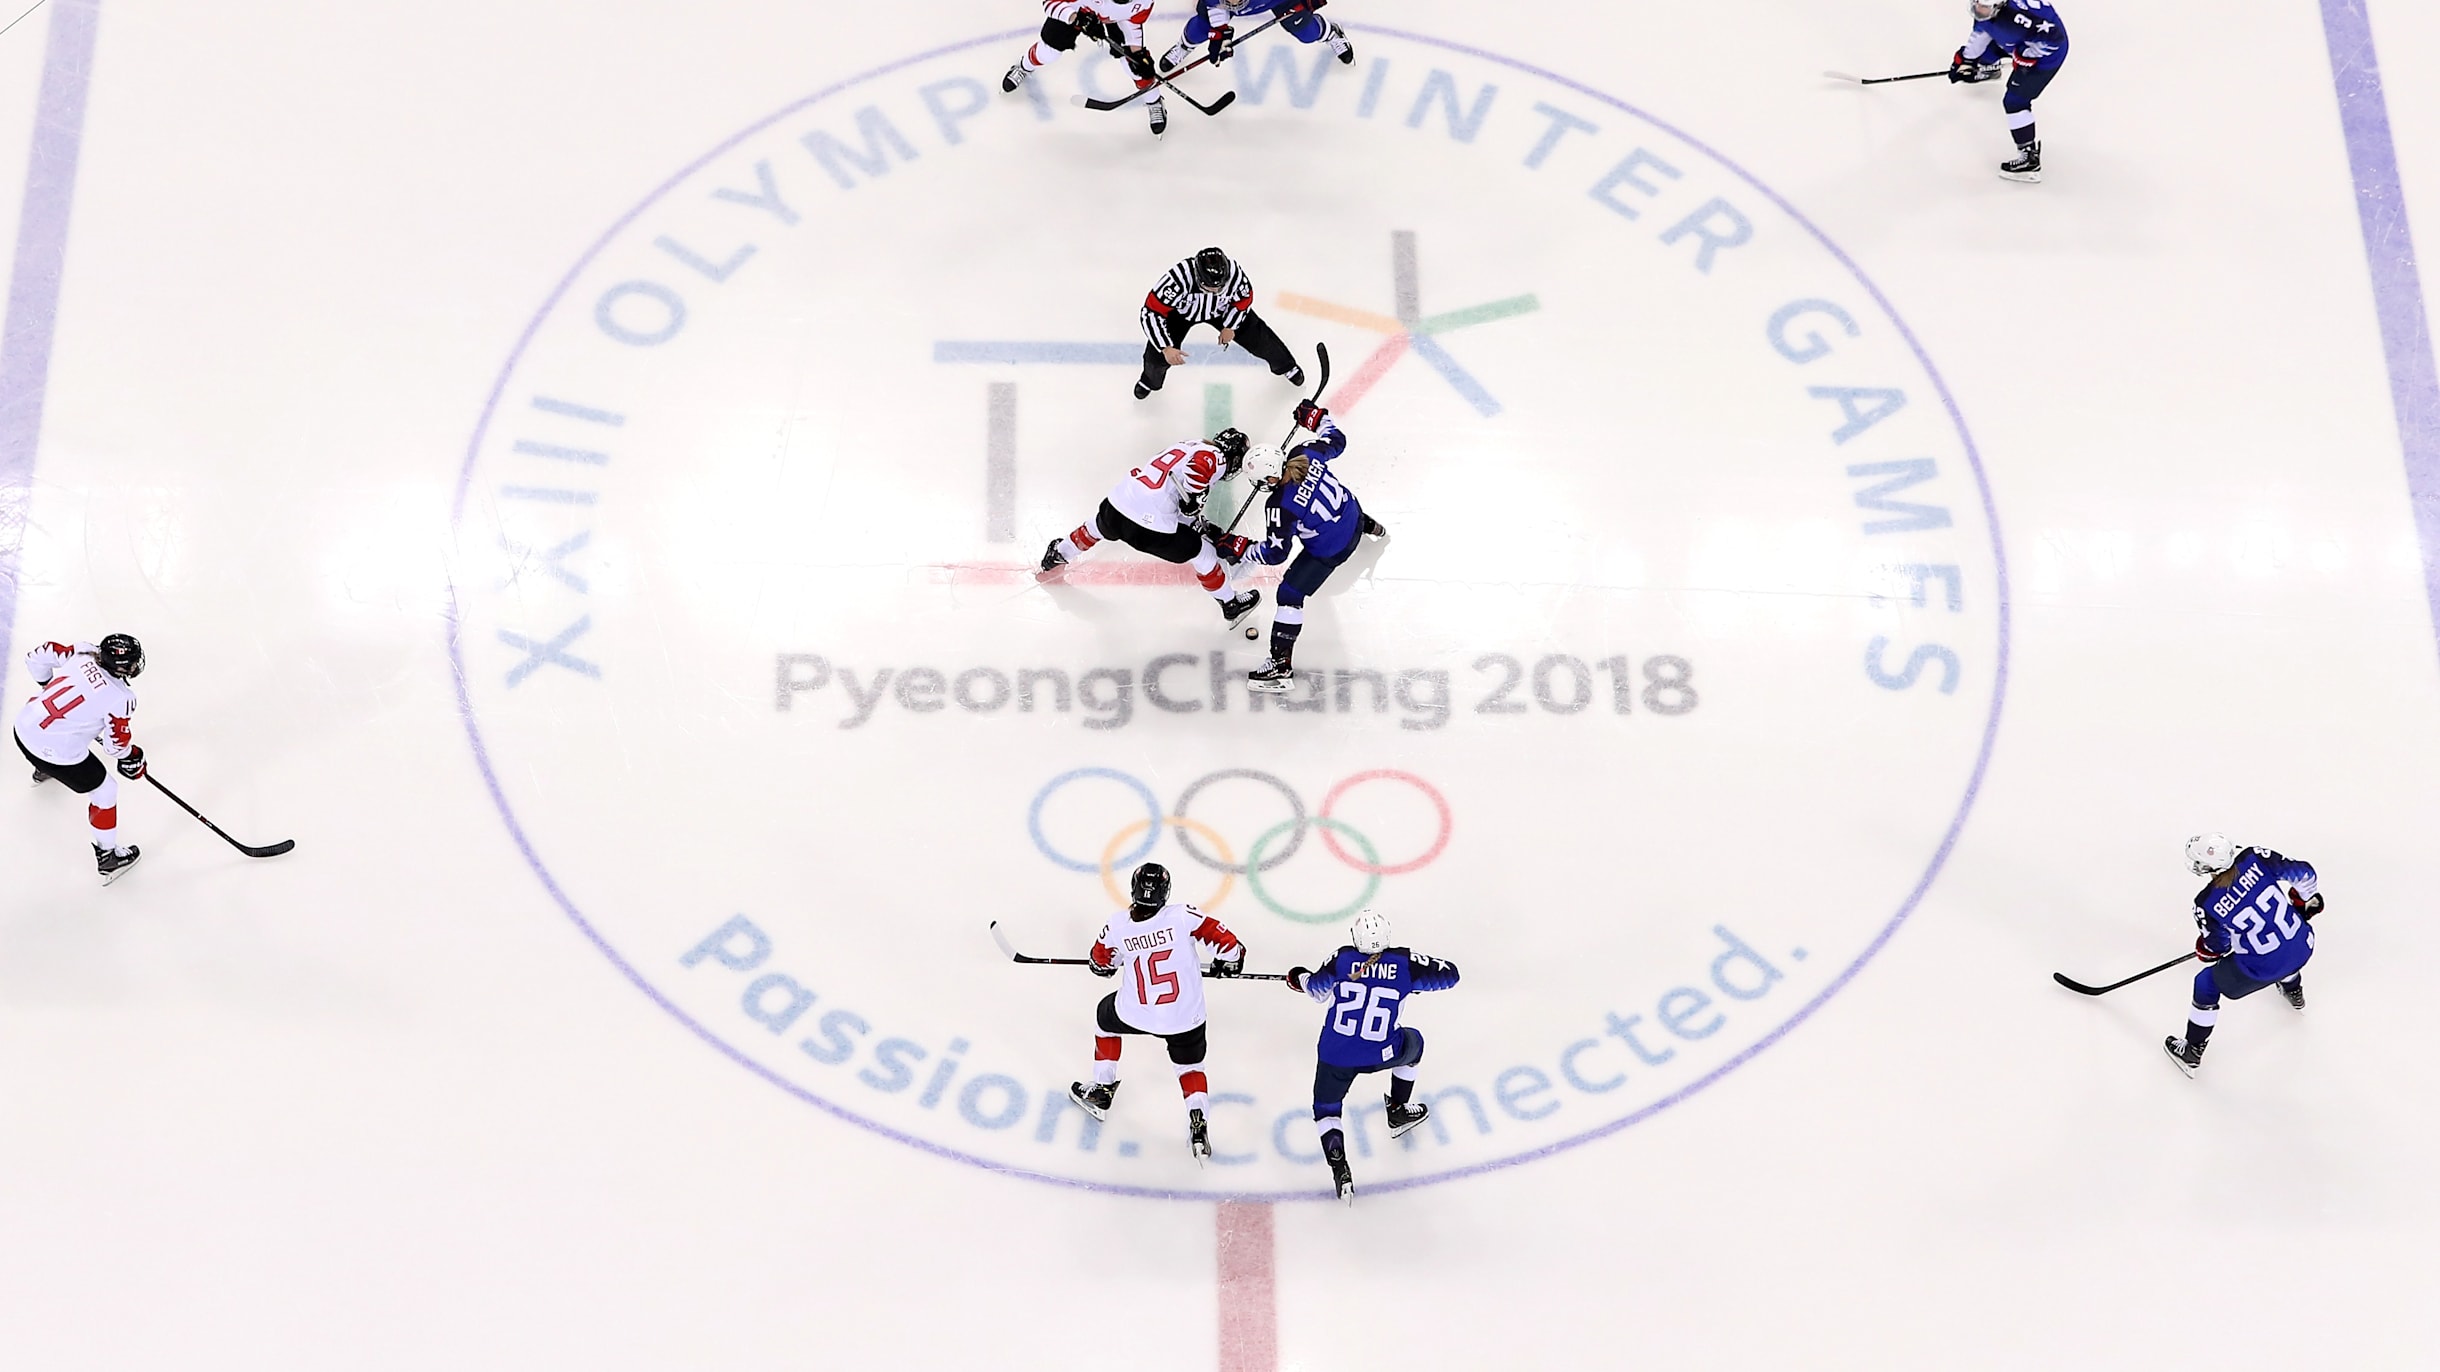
[1175, 297]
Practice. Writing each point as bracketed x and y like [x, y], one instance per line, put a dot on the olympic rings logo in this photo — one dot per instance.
[1270, 849]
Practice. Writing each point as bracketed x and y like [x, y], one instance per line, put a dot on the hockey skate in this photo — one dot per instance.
[1404, 1118]
[2187, 1056]
[1015, 78]
[1160, 117]
[1198, 1137]
[1372, 528]
[41, 777]
[1339, 44]
[2293, 989]
[2026, 166]
[1273, 676]
[1052, 560]
[1093, 1100]
[111, 862]
[1341, 1175]
[1235, 609]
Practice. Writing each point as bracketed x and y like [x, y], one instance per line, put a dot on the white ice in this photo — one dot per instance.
[611, 836]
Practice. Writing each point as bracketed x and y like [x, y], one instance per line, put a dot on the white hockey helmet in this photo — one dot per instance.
[2210, 854]
[1262, 462]
[1370, 932]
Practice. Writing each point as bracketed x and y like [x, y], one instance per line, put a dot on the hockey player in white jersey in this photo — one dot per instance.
[1151, 949]
[1116, 24]
[1156, 509]
[83, 703]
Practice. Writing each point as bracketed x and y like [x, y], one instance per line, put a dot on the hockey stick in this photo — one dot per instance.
[1164, 78]
[273, 851]
[1321, 382]
[1015, 956]
[21, 18]
[1884, 80]
[2083, 990]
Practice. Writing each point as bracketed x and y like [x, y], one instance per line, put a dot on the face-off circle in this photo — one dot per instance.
[1693, 545]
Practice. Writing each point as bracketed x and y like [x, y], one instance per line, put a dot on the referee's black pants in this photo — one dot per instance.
[1252, 335]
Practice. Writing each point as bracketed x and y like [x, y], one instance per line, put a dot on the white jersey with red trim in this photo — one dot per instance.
[79, 705]
[1125, 17]
[1160, 974]
[1151, 494]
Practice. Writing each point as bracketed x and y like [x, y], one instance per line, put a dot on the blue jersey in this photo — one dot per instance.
[2253, 921]
[1319, 511]
[1365, 993]
[2027, 30]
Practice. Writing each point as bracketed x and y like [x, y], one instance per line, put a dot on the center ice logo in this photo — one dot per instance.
[1658, 712]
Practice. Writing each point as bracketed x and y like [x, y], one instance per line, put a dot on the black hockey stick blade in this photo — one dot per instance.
[1015, 956]
[2083, 990]
[274, 850]
[1843, 78]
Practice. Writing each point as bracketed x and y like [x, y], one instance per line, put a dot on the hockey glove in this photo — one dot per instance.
[1224, 970]
[1963, 71]
[2203, 949]
[132, 765]
[2306, 908]
[1231, 547]
[1139, 64]
[1296, 978]
[1310, 415]
[1101, 971]
[1190, 509]
[1218, 49]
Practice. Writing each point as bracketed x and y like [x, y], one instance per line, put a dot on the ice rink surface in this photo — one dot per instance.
[577, 469]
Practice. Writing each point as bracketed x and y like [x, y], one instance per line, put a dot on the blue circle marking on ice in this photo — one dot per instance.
[559, 895]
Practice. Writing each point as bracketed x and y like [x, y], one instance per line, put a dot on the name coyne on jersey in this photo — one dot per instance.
[1192, 683]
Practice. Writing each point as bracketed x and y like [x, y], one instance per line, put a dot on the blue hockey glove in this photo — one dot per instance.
[1310, 415]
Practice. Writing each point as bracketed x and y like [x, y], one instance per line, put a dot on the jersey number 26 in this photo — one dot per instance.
[1377, 1004]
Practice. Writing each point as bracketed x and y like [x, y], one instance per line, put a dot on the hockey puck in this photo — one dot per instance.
[1250, 632]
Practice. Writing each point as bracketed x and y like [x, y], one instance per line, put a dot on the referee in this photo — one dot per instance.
[1207, 288]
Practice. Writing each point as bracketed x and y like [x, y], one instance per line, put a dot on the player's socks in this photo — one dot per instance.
[1401, 1088]
[1196, 1087]
[103, 821]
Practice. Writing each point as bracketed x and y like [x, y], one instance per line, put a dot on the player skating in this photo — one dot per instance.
[1312, 512]
[2029, 35]
[84, 703]
[1366, 984]
[1207, 288]
[1116, 24]
[1154, 509]
[1209, 28]
[1152, 951]
[2256, 920]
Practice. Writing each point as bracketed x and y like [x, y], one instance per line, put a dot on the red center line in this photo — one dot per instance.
[1249, 1298]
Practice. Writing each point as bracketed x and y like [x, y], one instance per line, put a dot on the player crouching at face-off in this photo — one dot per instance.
[1310, 507]
[1116, 24]
[1366, 984]
[1160, 992]
[84, 703]
[1155, 509]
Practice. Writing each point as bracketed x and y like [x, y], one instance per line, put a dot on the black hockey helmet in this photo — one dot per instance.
[1148, 888]
[121, 656]
[1212, 269]
[1231, 445]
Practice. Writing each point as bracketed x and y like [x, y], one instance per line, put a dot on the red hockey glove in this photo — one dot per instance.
[2202, 949]
[1310, 415]
[1296, 978]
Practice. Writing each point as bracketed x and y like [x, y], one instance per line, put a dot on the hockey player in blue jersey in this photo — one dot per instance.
[1366, 985]
[1210, 27]
[2256, 921]
[1314, 523]
[2027, 39]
